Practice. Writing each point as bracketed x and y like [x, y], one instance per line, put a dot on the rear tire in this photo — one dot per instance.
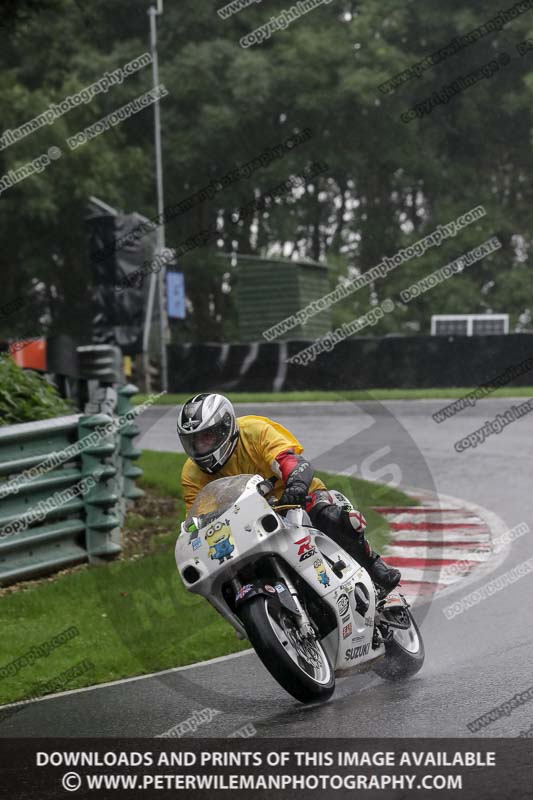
[404, 654]
[283, 654]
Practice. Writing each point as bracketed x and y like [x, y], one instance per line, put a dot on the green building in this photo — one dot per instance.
[271, 289]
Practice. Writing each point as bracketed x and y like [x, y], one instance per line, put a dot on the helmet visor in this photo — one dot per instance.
[203, 443]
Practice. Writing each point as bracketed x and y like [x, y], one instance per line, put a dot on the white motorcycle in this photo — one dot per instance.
[310, 611]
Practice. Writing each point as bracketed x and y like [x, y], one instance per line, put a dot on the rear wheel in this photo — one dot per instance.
[404, 652]
[299, 663]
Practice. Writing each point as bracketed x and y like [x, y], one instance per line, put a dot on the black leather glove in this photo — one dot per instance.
[295, 493]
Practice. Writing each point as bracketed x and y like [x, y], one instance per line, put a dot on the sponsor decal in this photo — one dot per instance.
[346, 618]
[220, 541]
[344, 502]
[243, 591]
[346, 631]
[279, 587]
[322, 575]
[357, 652]
[343, 604]
[196, 543]
[369, 622]
[309, 554]
[348, 587]
[269, 588]
[358, 638]
[304, 544]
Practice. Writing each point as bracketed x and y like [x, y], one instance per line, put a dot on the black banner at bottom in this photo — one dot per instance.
[466, 769]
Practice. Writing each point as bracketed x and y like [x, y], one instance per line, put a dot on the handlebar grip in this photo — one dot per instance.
[267, 485]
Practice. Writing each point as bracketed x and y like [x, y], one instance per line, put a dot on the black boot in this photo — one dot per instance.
[384, 576]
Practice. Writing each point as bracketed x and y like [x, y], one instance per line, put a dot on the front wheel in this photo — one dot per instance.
[300, 664]
[404, 652]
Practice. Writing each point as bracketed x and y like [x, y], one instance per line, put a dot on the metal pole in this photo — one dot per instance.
[160, 230]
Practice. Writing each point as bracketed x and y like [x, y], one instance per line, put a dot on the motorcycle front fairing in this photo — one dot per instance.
[238, 531]
[241, 529]
[352, 597]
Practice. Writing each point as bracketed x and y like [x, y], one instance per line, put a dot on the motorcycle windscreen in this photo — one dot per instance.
[218, 496]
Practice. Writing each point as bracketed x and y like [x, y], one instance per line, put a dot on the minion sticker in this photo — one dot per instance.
[321, 573]
[220, 541]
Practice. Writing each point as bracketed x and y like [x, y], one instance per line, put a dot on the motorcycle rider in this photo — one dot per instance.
[219, 445]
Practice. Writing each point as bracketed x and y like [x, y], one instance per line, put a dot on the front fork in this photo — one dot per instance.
[296, 608]
[304, 625]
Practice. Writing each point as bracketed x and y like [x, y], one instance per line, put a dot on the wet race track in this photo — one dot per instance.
[474, 661]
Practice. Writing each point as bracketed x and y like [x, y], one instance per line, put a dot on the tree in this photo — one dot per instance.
[387, 184]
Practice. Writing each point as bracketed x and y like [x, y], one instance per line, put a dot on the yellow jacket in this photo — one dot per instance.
[260, 441]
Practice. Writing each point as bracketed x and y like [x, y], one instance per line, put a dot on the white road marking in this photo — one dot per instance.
[119, 681]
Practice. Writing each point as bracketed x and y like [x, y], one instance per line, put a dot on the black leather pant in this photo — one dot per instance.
[335, 523]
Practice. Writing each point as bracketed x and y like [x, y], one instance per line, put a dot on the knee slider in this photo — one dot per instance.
[356, 520]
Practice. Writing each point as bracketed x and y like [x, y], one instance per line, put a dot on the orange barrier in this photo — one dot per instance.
[29, 353]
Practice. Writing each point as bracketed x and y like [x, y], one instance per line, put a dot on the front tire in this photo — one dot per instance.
[404, 653]
[302, 668]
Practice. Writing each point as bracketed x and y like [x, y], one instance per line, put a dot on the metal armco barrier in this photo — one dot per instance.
[128, 453]
[87, 527]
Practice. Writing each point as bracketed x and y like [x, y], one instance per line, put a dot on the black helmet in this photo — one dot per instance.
[208, 430]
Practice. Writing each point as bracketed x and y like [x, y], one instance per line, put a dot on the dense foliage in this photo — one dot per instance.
[388, 183]
[26, 396]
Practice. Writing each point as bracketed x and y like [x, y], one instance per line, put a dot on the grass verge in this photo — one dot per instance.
[133, 616]
[338, 396]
